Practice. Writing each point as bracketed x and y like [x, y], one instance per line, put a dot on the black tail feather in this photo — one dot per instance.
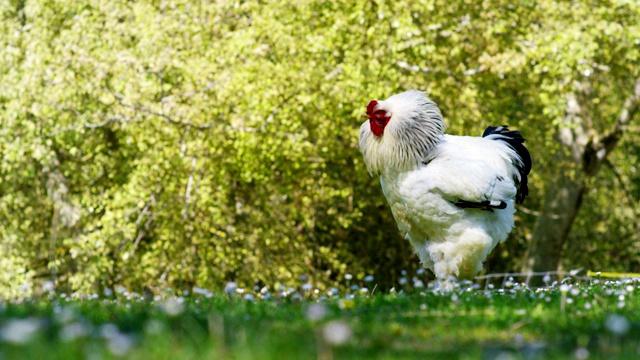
[515, 140]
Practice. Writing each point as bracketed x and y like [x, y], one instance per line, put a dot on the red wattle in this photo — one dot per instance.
[377, 125]
[376, 129]
[377, 119]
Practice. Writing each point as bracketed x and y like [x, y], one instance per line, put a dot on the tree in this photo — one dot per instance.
[586, 152]
[188, 144]
[600, 99]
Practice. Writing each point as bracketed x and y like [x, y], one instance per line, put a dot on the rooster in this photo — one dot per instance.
[453, 196]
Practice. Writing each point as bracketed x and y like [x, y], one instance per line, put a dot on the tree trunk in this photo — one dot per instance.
[552, 228]
[586, 153]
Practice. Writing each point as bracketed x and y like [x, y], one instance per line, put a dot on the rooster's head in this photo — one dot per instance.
[378, 117]
[401, 130]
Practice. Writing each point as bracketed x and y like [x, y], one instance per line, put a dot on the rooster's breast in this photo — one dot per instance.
[418, 208]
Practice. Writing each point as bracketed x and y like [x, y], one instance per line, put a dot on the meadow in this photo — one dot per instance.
[571, 319]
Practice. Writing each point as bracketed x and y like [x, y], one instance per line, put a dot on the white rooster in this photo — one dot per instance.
[453, 196]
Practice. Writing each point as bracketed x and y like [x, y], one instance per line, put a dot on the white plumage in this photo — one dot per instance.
[453, 196]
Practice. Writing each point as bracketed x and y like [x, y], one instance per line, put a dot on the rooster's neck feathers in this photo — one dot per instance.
[415, 128]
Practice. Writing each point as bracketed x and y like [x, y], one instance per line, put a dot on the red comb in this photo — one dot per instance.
[372, 104]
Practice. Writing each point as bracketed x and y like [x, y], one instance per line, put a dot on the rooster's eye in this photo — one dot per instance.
[380, 113]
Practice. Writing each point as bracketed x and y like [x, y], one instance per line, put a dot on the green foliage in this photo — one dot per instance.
[183, 143]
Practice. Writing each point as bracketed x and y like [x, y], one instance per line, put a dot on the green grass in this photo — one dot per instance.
[564, 322]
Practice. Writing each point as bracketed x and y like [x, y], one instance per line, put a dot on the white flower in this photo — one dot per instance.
[173, 306]
[119, 344]
[231, 287]
[64, 315]
[336, 333]
[575, 292]
[48, 286]
[564, 288]
[73, 331]
[307, 287]
[581, 353]
[201, 291]
[19, 331]
[316, 312]
[109, 330]
[617, 324]
[348, 276]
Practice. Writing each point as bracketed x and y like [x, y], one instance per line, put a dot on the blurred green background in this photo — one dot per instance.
[191, 143]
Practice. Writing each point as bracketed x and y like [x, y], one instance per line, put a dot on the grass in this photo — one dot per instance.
[588, 319]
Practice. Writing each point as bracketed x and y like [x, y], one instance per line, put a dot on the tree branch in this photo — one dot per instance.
[536, 213]
[276, 110]
[597, 150]
[79, 115]
[629, 109]
[120, 99]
